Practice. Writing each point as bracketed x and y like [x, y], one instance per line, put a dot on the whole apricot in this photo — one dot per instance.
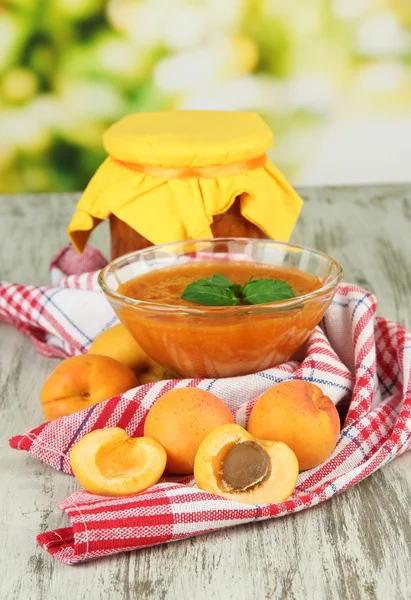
[110, 463]
[297, 413]
[232, 463]
[180, 420]
[81, 381]
[118, 342]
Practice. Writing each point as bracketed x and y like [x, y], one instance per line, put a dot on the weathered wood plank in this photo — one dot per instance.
[356, 546]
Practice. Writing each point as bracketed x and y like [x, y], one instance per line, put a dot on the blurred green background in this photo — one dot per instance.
[69, 68]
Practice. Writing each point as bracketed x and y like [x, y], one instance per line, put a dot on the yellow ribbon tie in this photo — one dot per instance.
[210, 172]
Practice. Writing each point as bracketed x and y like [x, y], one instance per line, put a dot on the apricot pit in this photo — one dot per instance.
[246, 465]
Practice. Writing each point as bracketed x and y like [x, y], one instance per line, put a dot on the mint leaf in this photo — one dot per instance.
[209, 294]
[263, 291]
[220, 291]
[219, 280]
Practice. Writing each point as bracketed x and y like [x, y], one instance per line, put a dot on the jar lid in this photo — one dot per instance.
[188, 138]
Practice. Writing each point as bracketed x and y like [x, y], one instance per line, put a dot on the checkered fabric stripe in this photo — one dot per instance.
[354, 356]
[63, 319]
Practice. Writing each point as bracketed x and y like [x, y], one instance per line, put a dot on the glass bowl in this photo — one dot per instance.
[221, 341]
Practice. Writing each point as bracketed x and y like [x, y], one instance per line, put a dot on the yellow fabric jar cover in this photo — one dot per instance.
[168, 173]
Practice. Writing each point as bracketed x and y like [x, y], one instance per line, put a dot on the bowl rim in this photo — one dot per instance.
[221, 310]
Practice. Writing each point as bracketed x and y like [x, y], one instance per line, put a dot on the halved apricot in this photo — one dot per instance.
[232, 463]
[110, 463]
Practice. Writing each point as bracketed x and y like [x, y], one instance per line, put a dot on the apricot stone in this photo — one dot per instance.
[82, 381]
[246, 465]
[233, 464]
[180, 420]
[297, 413]
[110, 463]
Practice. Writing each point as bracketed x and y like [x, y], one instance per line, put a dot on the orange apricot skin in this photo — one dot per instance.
[108, 462]
[82, 381]
[180, 420]
[279, 485]
[297, 413]
[118, 342]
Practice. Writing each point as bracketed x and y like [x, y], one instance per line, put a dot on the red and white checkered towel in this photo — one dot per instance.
[353, 356]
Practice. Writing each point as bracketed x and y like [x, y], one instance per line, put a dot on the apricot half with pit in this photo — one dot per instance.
[299, 414]
[82, 381]
[232, 463]
[110, 463]
[180, 420]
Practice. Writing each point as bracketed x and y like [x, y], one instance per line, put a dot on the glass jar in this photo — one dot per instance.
[186, 175]
[124, 239]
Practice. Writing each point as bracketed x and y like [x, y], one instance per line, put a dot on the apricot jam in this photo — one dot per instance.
[166, 286]
[224, 342]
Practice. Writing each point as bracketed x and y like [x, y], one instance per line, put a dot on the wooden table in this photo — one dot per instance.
[356, 546]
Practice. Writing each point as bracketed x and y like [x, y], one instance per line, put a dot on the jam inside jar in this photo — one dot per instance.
[231, 223]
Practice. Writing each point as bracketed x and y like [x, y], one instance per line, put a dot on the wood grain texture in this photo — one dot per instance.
[356, 546]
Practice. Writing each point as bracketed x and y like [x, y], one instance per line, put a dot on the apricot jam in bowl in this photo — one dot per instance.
[221, 307]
